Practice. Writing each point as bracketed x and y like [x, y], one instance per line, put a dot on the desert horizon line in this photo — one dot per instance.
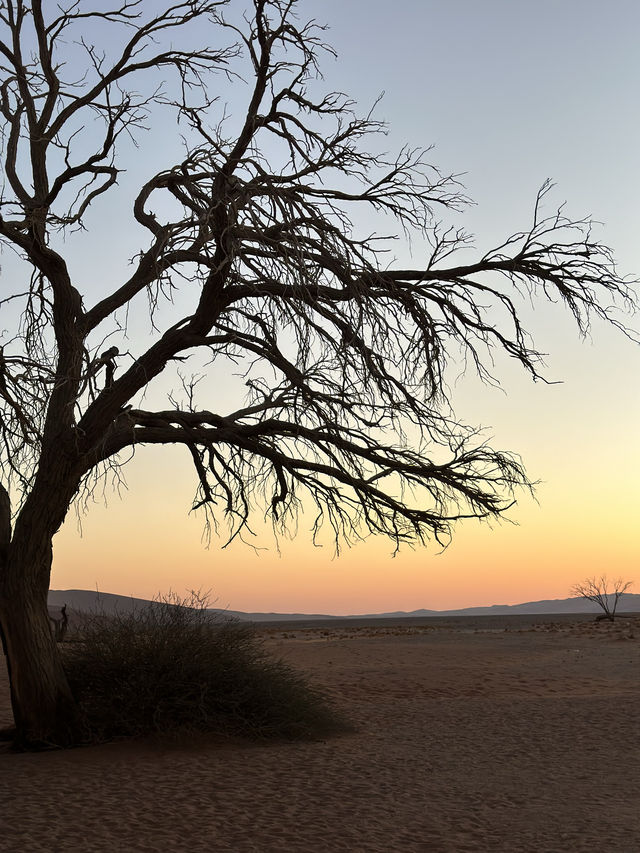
[569, 604]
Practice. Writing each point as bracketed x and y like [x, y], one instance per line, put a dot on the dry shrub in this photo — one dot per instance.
[173, 666]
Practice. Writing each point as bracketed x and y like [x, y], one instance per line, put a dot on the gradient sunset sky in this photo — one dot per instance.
[509, 93]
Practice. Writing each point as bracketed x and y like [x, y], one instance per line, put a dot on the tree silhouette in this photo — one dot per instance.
[603, 592]
[249, 254]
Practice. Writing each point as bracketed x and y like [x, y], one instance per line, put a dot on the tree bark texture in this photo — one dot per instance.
[44, 710]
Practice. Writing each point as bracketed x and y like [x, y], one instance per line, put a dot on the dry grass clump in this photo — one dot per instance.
[173, 666]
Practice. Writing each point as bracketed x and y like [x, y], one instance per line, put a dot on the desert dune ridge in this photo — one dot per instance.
[471, 736]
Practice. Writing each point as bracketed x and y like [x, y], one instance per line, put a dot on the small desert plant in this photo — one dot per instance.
[173, 666]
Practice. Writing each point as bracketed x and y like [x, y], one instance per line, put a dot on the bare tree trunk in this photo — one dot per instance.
[44, 710]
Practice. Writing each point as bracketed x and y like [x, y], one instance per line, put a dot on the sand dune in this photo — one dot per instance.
[514, 740]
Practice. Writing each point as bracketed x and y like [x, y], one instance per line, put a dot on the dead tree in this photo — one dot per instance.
[603, 592]
[343, 354]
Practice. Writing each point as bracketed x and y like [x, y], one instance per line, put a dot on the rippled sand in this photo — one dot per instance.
[503, 740]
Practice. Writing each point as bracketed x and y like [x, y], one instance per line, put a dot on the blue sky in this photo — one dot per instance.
[509, 93]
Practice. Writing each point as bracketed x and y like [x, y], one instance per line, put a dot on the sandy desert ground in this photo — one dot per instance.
[471, 737]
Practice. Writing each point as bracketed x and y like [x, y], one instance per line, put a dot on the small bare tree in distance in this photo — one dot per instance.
[603, 592]
[249, 255]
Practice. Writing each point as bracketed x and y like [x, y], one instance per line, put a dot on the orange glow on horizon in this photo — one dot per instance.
[147, 544]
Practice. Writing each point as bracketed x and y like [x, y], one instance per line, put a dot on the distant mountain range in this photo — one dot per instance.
[87, 600]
